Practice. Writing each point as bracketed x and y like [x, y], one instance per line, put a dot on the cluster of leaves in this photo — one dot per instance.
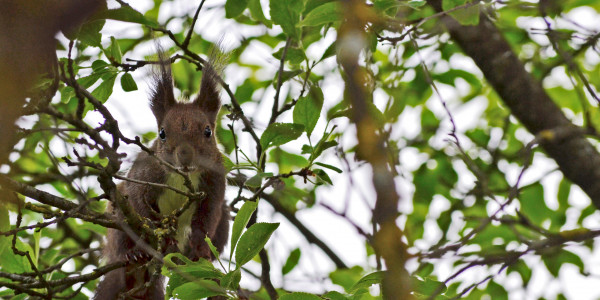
[488, 219]
[193, 280]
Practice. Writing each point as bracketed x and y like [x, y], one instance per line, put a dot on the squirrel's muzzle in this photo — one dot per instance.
[185, 155]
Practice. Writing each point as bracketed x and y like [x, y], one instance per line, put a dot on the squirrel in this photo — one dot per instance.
[186, 140]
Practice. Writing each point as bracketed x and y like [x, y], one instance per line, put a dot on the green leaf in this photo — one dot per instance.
[105, 89]
[339, 113]
[286, 161]
[244, 92]
[234, 8]
[4, 227]
[36, 247]
[496, 291]
[180, 274]
[148, 136]
[521, 267]
[334, 295]
[185, 76]
[99, 65]
[14, 263]
[449, 77]
[227, 163]
[127, 44]
[424, 269]
[256, 12]
[533, 204]
[346, 278]
[367, 281]
[86, 81]
[427, 286]
[324, 14]
[68, 92]
[416, 3]
[329, 52]
[285, 76]
[126, 14]
[479, 137]
[565, 98]
[256, 180]
[559, 217]
[329, 167]
[388, 7]
[252, 241]
[322, 146]
[199, 269]
[232, 279]
[89, 33]
[212, 247]
[556, 259]
[293, 55]
[240, 222]
[289, 196]
[308, 109]
[287, 14]
[291, 261]
[322, 175]
[306, 149]
[280, 133]
[115, 50]
[564, 189]
[586, 212]
[198, 289]
[300, 296]
[464, 16]
[127, 83]
[486, 237]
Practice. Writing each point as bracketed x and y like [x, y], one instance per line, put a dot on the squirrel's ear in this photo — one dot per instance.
[209, 98]
[162, 97]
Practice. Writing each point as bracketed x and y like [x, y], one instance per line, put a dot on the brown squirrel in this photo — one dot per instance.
[187, 142]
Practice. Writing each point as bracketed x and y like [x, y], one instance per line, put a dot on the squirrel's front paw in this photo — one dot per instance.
[137, 256]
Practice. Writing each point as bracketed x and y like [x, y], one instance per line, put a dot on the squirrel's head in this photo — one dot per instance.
[186, 131]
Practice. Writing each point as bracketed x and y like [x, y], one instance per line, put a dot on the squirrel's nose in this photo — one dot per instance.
[185, 154]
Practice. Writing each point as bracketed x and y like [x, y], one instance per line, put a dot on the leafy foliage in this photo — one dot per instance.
[481, 194]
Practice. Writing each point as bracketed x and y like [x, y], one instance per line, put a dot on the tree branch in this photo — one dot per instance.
[275, 108]
[58, 202]
[577, 158]
[308, 234]
[372, 148]
[186, 42]
[265, 277]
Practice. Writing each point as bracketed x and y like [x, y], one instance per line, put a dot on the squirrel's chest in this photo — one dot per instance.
[170, 201]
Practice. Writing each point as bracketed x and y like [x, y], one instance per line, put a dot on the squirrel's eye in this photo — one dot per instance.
[162, 134]
[207, 131]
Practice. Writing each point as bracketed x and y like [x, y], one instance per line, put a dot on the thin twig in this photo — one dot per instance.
[186, 42]
[394, 40]
[275, 108]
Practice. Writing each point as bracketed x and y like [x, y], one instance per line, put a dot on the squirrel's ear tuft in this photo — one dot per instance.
[162, 97]
[209, 98]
